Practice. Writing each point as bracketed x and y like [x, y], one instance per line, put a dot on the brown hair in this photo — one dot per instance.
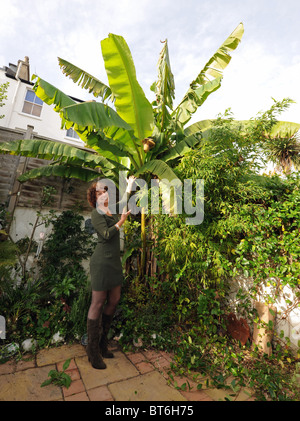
[91, 195]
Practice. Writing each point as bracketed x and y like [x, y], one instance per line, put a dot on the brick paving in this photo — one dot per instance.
[141, 376]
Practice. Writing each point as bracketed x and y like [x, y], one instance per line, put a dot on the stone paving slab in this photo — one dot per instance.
[140, 376]
[78, 397]
[26, 386]
[118, 368]
[147, 387]
[101, 393]
[222, 395]
[196, 395]
[62, 353]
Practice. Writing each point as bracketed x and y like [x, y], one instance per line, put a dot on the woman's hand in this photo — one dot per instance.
[124, 216]
[123, 219]
[130, 182]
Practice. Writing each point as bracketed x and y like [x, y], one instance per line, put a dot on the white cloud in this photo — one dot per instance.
[9, 13]
[265, 64]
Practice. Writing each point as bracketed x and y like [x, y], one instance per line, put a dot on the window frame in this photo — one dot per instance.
[34, 105]
[75, 137]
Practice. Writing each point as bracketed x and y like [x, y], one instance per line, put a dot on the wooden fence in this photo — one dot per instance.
[69, 192]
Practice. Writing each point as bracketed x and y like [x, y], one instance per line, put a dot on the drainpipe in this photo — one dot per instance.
[16, 91]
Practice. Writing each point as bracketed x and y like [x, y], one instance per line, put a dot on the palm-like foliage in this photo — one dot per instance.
[118, 135]
[283, 147]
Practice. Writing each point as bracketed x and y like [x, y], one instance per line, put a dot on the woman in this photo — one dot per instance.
[106, 272]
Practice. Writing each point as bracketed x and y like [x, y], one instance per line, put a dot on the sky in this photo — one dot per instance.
[265, 65]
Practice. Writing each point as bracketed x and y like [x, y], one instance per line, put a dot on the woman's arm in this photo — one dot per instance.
[123, 202]
[100, 225]
[125, 213]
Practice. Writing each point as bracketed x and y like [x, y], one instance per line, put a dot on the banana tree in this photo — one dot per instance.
[130, 134]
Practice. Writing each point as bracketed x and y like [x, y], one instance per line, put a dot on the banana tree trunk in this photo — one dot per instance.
[143, 238]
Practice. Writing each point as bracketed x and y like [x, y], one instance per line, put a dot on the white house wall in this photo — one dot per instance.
[47, 125]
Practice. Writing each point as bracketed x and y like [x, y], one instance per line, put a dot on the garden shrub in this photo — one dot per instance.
[269, 251]
[65, 249]
[58, 300]
[250, 228]
[8, 251]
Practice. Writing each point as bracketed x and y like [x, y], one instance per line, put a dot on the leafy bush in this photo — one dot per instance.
[59, 299]
[66, 248]
[269, 251]
[250, 228]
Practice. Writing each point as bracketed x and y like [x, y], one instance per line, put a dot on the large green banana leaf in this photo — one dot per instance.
[50, 94]
[79, 163]
[106, 147]
[130, 100]
[94, 114]
[199, 126]
[50, 150]
[164, 87]
[181, 148]
[209, 79]
[85, 80]
[94, 117]
[279, 129]
[158, 168]
[166, 175]
[193, 99]
[283, 128]
[83, 174]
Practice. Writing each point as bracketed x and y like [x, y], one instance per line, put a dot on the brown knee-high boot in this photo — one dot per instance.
[93, 349]
[106, 322]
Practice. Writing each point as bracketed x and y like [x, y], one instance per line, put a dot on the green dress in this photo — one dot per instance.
[105, 264]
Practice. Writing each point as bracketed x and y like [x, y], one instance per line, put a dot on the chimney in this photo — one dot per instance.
[23, 71]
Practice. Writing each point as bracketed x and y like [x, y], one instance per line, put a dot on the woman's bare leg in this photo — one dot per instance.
[97, 304]
[113, 299]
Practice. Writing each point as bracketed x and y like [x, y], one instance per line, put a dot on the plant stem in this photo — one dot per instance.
[29, 247]
[143, 237]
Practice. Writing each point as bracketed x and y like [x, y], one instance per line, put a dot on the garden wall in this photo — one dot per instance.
[286, 305]
[69, 193]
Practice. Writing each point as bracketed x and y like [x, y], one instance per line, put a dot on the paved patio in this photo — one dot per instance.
[140, 376]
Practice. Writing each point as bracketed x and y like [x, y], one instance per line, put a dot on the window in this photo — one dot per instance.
[32, 104]
[72, 133]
